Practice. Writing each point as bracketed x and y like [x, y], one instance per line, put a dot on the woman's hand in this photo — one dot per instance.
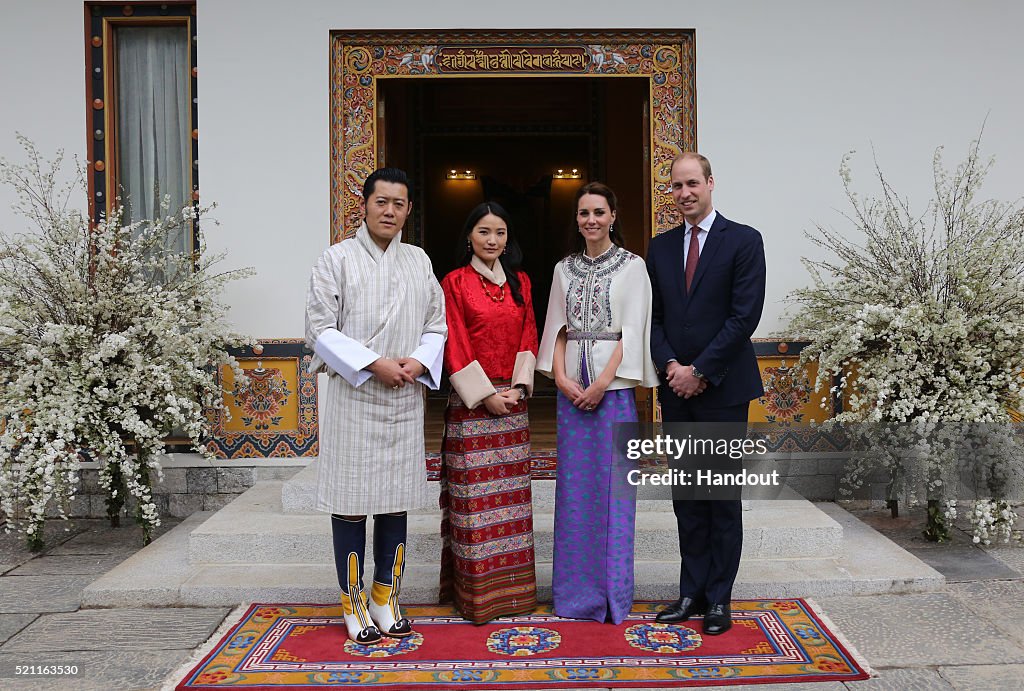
[590, 398]
[570, 388]
[512, 396]
[498, 404]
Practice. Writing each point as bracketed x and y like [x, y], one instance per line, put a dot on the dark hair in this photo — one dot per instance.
[396, 175]
[513, 255]
[580, 246]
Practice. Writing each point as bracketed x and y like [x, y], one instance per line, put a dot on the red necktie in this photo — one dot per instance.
[692, 256]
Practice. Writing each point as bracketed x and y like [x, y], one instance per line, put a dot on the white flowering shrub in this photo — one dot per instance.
[992, 520]
[108, 342]
[922, 315]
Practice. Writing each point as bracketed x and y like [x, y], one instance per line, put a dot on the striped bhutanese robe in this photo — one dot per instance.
[365, 303]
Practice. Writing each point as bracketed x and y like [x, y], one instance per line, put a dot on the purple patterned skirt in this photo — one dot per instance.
[595, 508]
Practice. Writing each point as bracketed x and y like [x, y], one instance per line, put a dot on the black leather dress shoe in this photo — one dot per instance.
[718, 620]
[680, 610]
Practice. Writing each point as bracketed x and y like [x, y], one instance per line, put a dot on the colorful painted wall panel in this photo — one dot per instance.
[792, 406]
[789, 396]
[266, 400]
[273, 413]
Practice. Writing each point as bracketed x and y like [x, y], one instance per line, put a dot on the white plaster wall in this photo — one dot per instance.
[784, 88]
[42, 81]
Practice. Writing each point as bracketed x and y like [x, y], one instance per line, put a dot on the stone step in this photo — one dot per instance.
[654, 580]
[161, 574]
[230, 584]
[253, 529]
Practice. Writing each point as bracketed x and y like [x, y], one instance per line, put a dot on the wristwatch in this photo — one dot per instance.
[521, 388]
[696, 372]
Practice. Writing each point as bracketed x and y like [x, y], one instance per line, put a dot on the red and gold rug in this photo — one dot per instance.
[305, 647]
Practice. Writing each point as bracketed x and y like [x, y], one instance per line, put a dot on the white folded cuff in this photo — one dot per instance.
[430, 354]
[472, 384]
[345, 355]
[522, 371]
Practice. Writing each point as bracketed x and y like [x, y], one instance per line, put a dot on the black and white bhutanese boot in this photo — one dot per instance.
[389, 534]
[349, 550]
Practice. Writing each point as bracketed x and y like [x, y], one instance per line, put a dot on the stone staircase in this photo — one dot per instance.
[269, 545]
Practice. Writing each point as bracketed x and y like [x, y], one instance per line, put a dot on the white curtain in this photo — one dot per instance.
[153, 122]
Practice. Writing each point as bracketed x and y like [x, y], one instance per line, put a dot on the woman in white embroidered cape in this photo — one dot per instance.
[596, 346]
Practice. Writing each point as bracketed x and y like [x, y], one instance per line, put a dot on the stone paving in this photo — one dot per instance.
[41, 622]
[968, 636]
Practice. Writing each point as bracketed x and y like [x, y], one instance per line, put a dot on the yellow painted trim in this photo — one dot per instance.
[355, 592]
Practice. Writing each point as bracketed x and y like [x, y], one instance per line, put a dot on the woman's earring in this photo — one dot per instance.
[469, 246]
[611, 228]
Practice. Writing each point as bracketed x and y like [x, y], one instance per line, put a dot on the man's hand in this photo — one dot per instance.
[390, 373]
[413, 367]
[682, 381]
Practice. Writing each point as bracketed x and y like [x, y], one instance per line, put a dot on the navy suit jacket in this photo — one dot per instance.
[710, 326]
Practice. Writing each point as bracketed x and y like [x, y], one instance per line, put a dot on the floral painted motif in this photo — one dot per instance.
[810, 634]
[242, 641]
[830, 664]
[345, 677]
[707, 672]
[271, 613]
[218, 676]
[261, 396]
[786, 391]
[783, 607]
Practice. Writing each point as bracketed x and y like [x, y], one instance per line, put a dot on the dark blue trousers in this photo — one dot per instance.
[710, 530]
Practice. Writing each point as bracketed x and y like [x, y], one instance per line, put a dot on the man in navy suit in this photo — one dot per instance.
[708, 277]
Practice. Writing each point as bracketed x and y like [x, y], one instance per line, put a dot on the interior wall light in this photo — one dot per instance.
[567, 174]
[460, 175]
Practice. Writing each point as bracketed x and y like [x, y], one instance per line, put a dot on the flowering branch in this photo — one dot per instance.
[921, 321]
[109, 340]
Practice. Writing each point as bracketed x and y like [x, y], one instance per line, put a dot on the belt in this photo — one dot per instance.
[592, 336]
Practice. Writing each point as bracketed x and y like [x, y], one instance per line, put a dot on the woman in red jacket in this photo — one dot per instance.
[487, 564]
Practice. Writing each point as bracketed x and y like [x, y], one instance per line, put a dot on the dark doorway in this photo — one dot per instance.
[514, 134]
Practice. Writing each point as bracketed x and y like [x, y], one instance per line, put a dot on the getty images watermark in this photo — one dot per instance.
[686, 460]
[691, 460]
[690, 448]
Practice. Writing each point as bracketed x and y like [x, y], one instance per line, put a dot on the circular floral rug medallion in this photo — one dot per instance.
[663, 638]
[519, 641]
[385, 647]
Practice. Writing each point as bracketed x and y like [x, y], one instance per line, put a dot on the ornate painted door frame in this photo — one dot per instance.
[360, 58]
[274, 421]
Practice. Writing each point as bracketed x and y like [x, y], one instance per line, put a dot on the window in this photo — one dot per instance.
[142, 94]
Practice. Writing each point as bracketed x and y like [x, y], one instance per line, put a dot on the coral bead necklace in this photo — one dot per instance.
[496, 297]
